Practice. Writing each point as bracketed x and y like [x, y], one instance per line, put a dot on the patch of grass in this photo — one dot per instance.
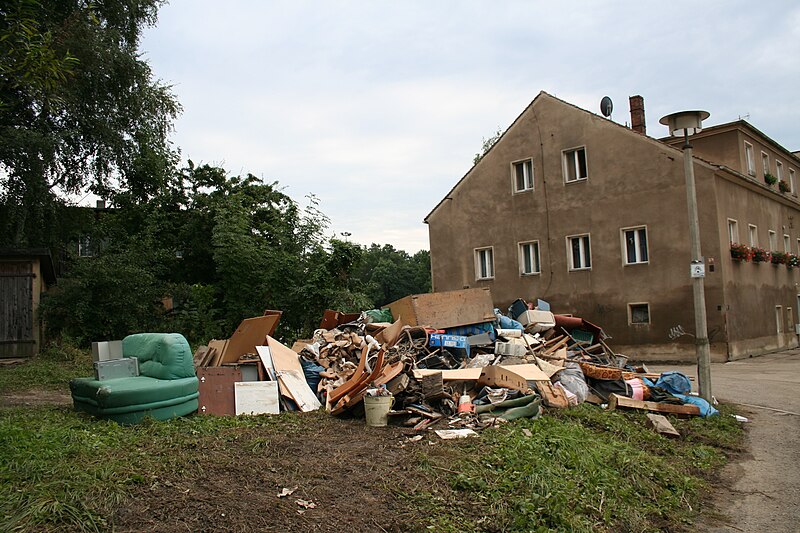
[583, 469]
[51, 369]
[63, 471]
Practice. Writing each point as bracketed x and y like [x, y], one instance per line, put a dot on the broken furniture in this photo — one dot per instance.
[166, 387]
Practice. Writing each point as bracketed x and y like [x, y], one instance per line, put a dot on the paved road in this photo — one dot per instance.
[762, 492]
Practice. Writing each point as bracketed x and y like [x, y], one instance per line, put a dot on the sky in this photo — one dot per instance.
[378, 108]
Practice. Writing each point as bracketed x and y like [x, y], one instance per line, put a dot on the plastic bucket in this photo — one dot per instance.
[377, 410]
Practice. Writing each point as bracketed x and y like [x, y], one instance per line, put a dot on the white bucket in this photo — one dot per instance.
[377, 410]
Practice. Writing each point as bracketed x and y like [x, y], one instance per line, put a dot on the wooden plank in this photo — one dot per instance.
[433, 386]
[297, 386]
[283, 358]
[616, 401]
[529, 372]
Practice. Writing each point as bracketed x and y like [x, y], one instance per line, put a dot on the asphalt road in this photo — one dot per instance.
[760, 492]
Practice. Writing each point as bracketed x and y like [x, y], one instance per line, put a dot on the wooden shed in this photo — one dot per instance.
[24, 275]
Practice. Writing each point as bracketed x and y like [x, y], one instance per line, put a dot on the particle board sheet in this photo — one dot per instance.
[256, 398]
[250, 333]
[297, 387]
[529, 372]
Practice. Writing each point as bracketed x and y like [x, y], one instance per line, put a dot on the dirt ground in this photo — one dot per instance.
[344, 478]
[759, 492]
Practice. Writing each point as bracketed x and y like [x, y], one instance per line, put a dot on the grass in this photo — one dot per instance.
[50, 370]
[583, 469]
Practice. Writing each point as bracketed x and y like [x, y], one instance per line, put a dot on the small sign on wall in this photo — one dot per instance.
[697, 269]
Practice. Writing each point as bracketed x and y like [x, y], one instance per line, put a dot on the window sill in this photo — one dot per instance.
[529, 274]
[578, 180]
[584, 269]
[637, 263]
[523, 191]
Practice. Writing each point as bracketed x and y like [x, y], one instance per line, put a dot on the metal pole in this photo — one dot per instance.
[701, 327]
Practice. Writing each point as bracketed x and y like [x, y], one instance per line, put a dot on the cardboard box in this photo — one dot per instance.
[537, 321]
[443, 310]
[127, 367]
[510, 348]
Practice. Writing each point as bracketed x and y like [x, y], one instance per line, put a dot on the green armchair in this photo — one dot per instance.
[166, 387]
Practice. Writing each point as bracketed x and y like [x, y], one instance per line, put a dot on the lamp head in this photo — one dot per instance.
[685, 123]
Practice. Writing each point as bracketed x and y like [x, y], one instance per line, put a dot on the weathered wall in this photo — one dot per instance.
[632, 181]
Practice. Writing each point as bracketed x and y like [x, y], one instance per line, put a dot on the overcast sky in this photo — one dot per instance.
[378, 108]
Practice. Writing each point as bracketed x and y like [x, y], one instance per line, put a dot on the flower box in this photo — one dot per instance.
[759, 255]
[770, 179]
[740, 252]
[783, 186]
[779, 258]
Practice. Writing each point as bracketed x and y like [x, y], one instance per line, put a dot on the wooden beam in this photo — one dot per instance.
[621, 402]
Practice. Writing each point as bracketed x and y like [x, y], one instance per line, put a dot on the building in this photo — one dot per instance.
[592, 216]
[25, 274]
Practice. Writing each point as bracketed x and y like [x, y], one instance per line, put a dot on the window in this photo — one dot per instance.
[792, 182]
[765, 162]
[484, 263]
[638, 313]
[575, 165]
[634, 243]
[753, 235]
[787, 244]
[529, 258]
[779, 170]
[85, 246]
[773, 241]
[733, 230]
[750, 157]
[579, 252]
[522, 175]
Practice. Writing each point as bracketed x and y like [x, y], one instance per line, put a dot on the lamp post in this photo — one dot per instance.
[685, 123]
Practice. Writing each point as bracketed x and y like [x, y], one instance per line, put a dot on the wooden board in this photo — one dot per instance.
[256, 398]
[529, 372]
[283, 358]
[219, 348]
[621, 402]
[216, 390]
[250, 333]
[295, 384]
[445, 309]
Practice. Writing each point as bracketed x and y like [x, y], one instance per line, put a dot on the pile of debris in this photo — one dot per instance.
[447, 359]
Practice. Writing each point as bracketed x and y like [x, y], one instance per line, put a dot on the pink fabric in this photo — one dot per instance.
[638, 388]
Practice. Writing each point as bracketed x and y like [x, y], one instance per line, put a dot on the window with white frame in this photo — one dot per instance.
[575, 165]
[773, 241]
[634, 245]
[778, 170]
[750, 157]
[765, 162]
[529, 262]
[787, 243]
[753, 234]
[579, 252]
[639, 313]
[484, 263]
[733, 230]
[522, 172]
[86, 246]
[792, 182]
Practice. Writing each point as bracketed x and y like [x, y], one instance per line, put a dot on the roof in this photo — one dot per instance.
[543, 94]
[43, 254]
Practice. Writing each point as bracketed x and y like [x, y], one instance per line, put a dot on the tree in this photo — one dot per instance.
[486, 145]
[79, 110]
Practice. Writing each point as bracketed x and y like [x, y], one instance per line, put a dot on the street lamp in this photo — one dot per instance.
[685, 123]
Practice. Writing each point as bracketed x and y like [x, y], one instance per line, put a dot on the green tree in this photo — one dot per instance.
[80, 110]
[486, 145]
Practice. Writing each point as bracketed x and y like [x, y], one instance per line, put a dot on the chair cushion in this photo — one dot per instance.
[140, 390]
[161, 355]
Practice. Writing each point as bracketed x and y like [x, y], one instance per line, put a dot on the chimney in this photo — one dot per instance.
[100, 204]
[637, 115]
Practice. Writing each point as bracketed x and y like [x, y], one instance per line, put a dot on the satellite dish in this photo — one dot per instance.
[606, 106]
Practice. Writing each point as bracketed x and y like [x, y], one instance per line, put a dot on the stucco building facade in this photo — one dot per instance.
[591, 216]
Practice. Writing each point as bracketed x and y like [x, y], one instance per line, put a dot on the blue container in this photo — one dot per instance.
[455, 344]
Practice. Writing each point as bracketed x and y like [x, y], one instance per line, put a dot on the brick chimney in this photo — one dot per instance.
[637, 115]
